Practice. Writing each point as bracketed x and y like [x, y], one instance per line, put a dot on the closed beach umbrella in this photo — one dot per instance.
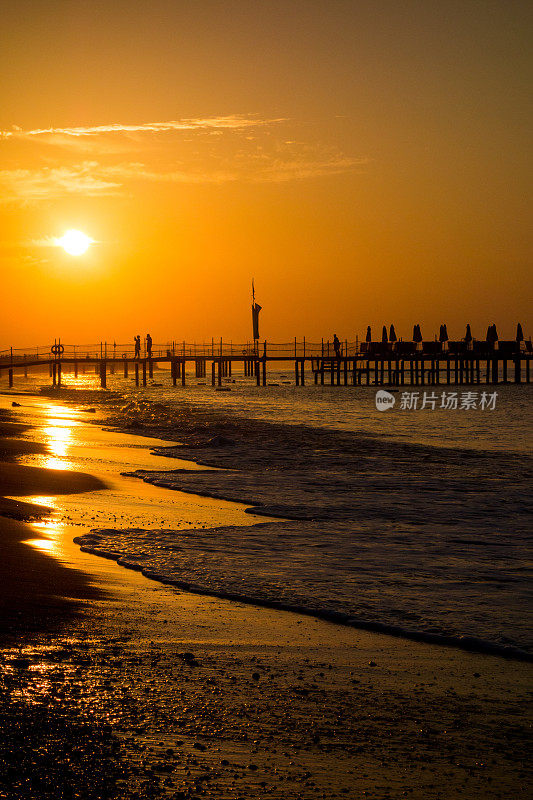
[443, 335]
[468, 334]
[392, 334]
[492, 334]
[519, 334]
[368, 334]
[417, 334]
[384, 337]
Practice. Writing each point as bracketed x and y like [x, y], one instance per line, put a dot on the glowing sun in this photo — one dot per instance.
[75, 243]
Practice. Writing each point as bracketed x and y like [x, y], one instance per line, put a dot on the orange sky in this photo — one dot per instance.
[366, 162]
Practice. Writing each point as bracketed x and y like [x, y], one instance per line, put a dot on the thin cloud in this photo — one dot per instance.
[51, 182]
[280, 172]
[91, 179]
[266, 171]
[210, 124]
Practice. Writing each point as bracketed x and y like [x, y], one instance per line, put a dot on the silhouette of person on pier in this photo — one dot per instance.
[336, 346]
[148, 345]
[137, 340]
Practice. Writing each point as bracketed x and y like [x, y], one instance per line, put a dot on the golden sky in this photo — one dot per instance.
[365, 162]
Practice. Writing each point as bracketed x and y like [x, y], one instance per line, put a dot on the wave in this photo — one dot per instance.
[391, 579]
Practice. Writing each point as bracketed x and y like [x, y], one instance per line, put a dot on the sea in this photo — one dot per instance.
[414, 520]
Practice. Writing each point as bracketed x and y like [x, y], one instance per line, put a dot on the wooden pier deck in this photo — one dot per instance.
[358, 364]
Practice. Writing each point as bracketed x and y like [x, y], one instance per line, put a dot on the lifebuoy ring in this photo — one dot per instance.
[57, 349]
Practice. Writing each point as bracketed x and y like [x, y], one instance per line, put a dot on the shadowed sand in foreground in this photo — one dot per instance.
[34, 589]
[147, 691]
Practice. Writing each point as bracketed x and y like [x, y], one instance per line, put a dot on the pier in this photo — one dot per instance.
[400, 363]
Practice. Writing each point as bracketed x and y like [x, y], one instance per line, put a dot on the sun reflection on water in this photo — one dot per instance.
[58, 438]
[48, 529]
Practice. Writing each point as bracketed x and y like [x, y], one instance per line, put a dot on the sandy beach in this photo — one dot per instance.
[119, 687]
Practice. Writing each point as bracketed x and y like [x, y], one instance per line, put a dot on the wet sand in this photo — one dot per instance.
[34, 589]
[148, 692]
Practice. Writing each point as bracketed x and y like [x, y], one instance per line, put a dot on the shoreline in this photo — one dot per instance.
[35, 590]
[207, 695]
[239, 449]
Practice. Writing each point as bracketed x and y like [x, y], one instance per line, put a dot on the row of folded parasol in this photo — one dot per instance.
[492, 334]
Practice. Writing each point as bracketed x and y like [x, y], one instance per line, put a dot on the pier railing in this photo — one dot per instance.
[217, 348]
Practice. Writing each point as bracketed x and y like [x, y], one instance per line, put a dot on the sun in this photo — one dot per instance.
[74, 242]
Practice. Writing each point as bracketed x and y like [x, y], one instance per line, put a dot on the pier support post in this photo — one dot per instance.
[527, 370]
[10, 376]
[264, 371]
[182, 372]
[103, 374]
[296, 374]
[504, 370]
[494, 370]
[302, 371]
[59, 374]
[345, 371]
[150, 368]
[125, 367]
[75, 369]
[144, 372]
[213, 366]
[257, 374]
[54, 374]
[517, 370]
[137, 373]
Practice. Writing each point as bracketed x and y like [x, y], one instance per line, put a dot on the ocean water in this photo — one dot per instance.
[507, 425]
[412, 521]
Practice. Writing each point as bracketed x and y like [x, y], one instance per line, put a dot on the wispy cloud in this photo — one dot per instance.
[232, 122]
[92, 179]
[42, 184]
[265, 171]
